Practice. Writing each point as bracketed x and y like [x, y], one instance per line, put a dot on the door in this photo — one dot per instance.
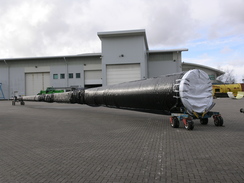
[123, 73]
[35, 82]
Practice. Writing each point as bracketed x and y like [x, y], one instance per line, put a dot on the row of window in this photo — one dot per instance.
[62, 76]
[77, 75]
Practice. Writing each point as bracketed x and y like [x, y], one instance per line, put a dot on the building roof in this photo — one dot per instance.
[53, 57]
[170, 50]
[83, 55]
[218, 72]
[138, 32]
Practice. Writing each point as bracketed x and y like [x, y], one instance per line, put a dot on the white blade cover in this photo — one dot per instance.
[196, 91]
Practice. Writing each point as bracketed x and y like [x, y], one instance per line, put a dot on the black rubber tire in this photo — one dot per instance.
[175, 122]
[204, 121]
[221, 121]
[218, 121]
[22, 103]
[13, 102]
[189, 125]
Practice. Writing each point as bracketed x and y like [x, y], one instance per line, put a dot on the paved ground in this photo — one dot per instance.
[42, 142]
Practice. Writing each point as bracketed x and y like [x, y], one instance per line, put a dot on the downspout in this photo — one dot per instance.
[147, 69]
[67, 72]
[178, 61]
[8, 79]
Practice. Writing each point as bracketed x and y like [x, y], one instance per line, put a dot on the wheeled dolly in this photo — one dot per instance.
[188, 120]
[17, 100]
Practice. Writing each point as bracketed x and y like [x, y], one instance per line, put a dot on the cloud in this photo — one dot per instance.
[223, 18]
[226, 50]
[170, 24]
[35, 28]
[45, 27]
[213, 33]
[233, 16]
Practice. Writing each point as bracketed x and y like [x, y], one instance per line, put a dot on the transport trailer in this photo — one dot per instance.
[188, 120]
[182, 94]
[16, 100]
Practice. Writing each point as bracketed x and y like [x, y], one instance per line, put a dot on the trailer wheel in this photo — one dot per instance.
[218, 121]
[174, 122]
[22, 103]
[13, 102]
[204, 121]
[189, 125]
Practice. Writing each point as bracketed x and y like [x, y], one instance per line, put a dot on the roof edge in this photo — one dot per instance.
[52, 57]
[206, 67]
[169, 50]
[122, 33]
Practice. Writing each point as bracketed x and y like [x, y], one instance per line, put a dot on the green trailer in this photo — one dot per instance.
[51, 90]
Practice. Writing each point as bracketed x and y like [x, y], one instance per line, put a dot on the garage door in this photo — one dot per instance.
[123, 73]
[93, 77]
[36, 82]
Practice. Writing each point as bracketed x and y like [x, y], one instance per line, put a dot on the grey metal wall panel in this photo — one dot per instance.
[59, 69]
[160, 56]
[164, 63]
[74, 68]
[4, 79]
[17, 80]
[157, 68]
[124, 50]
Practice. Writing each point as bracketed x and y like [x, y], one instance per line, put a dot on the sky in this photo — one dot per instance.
[212, 30]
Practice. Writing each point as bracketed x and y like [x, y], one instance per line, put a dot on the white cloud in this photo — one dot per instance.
[212, 30]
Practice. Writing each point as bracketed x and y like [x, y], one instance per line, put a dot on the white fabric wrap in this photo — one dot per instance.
[196, 91]
[31, 98]
[62, 97]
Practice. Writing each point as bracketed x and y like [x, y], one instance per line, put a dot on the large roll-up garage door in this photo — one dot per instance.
[123, 73]
[93, 77]
[36, 81]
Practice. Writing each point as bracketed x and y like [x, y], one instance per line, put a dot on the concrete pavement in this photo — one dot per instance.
[51, 142]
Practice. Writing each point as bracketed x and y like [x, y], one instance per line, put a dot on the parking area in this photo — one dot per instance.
[51, 142]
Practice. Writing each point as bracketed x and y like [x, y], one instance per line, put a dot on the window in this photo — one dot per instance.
[62, 76]
[55, 76]
[71, 76]
[211, 77]
[77, 75]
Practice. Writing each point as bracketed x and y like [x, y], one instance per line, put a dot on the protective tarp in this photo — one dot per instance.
[196, 91]
[62, 97]
[230, 95]
[57, 97]
[238, 96]
[152, 95]
[32, 98]
[190, 92]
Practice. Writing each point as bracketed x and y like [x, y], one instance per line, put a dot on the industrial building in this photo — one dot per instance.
[125, 56]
